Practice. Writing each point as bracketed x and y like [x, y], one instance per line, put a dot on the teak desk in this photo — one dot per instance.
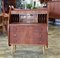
[28, 27]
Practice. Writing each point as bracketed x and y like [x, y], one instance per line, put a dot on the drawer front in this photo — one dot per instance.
[26, 34]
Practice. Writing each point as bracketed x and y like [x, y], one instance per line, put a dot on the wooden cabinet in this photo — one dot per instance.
[53, 6]
[31, 28]
[54, 9]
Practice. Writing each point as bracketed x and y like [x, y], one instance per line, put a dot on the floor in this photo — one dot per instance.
[31, 51]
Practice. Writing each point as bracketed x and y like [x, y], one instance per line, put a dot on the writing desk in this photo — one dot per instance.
[28, 32]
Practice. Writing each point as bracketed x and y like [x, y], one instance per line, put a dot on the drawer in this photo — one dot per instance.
[27, 34]
[28, 38]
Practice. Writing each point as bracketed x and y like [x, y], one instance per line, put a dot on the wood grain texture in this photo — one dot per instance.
[54, 9]
[28, 34]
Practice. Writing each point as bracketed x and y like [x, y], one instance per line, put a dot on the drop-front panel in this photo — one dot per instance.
[28, 34]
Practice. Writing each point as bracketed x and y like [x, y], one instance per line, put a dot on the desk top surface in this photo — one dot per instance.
[29, 11]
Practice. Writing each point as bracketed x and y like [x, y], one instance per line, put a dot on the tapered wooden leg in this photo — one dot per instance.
[43, 50]
[13, 49]
[45, 47]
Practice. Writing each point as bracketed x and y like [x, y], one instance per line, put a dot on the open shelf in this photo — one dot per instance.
[28, 18]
